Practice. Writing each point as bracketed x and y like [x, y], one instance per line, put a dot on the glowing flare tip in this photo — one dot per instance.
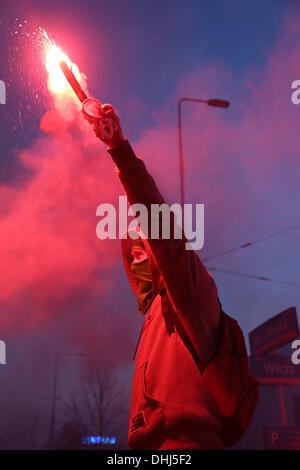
[56, 81]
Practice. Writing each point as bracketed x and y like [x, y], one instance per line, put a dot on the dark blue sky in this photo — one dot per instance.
[151, 44]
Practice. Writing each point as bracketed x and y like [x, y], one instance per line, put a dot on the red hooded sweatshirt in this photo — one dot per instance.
[173, 405]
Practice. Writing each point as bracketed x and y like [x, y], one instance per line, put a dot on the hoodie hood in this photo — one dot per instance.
[127, 243]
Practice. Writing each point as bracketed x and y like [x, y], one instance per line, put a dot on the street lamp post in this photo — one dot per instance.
[52, 419]
[211, 102]
[33, 434]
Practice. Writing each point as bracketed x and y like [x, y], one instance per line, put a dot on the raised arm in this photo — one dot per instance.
[191, 290]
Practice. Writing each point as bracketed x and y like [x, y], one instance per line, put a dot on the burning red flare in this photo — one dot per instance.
[57, 82]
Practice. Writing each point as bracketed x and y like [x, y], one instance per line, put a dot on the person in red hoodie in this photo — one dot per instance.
[191, 387]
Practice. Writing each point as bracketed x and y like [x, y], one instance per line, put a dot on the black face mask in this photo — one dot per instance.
[143, 276]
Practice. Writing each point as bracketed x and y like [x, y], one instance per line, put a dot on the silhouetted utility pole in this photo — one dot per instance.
[34, 429]
[52, 417]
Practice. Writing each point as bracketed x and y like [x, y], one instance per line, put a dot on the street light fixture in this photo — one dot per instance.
[211, 102]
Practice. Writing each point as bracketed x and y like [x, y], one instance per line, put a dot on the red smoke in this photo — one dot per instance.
[49, 248]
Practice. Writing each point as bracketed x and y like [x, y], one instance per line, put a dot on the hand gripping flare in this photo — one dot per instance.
[91, 107]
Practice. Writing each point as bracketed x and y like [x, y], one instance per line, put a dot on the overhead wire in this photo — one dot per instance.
[247, 244]
[252, 276]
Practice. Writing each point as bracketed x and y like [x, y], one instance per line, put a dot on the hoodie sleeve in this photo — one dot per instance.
[191, 289]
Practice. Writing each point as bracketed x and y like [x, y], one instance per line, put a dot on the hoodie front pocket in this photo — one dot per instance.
[146, 424]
